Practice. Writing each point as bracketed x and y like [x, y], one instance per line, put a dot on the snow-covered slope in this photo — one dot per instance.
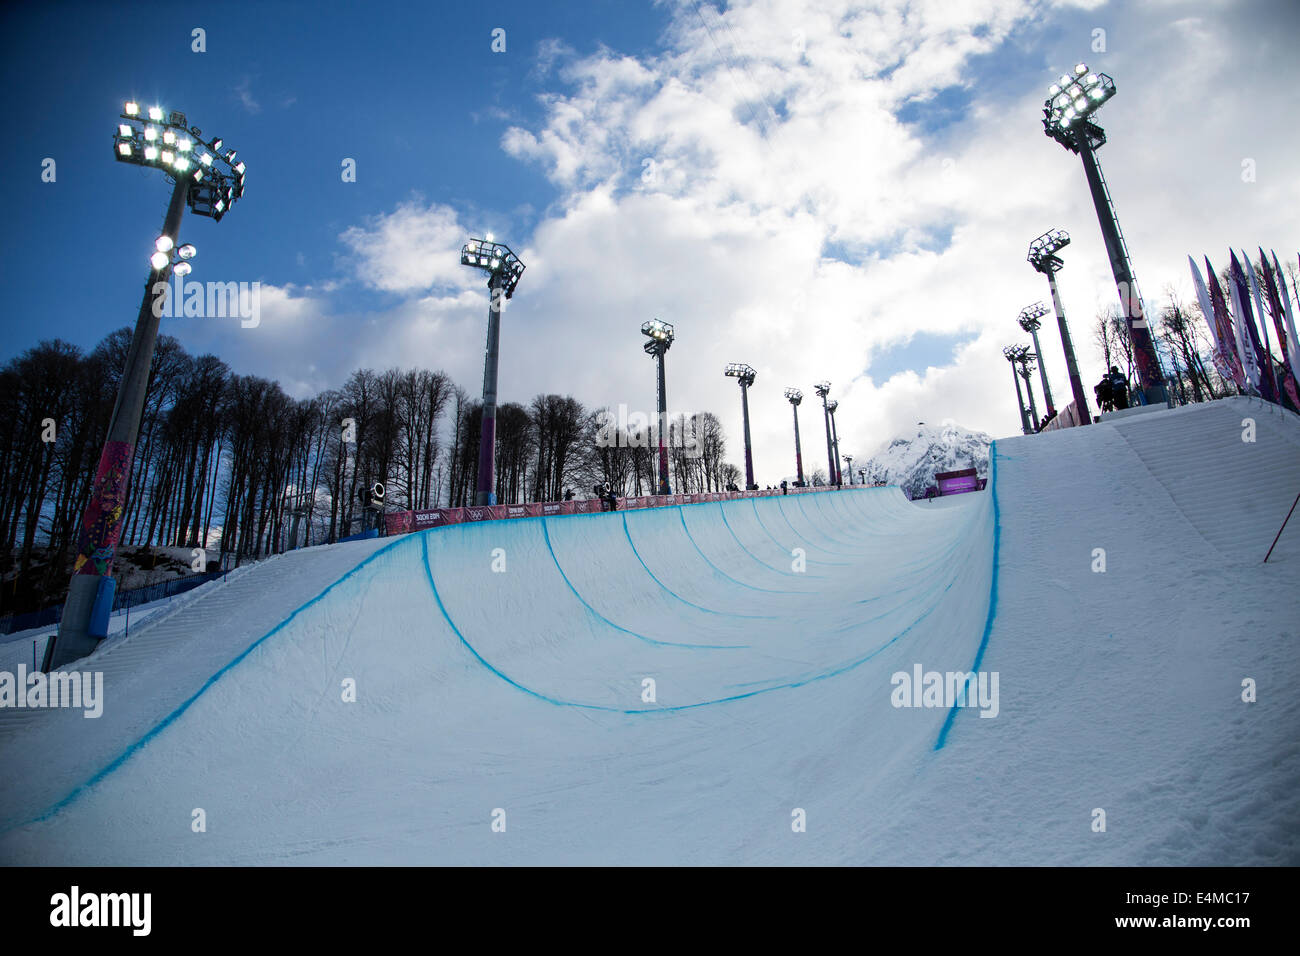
[165, 661]
[911, 461]
[501, 676]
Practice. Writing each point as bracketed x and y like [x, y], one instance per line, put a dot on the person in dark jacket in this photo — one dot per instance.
[1118, 387]
[1104, 395]
[605, 492]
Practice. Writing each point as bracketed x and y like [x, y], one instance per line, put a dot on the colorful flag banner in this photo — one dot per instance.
[1224, 356]
[1251, 351]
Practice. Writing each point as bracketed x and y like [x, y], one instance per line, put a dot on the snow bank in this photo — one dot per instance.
[695, 684]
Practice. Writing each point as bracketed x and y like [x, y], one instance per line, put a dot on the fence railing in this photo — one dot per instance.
[123, 599]
[403, 522]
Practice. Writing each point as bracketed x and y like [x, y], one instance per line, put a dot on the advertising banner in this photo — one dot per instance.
[405, 522]
[1068, 417]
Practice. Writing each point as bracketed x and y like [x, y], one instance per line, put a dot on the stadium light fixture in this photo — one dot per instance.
[823, 389]
[745, 375]
[503, 269]
[1067, 118]
[179, 260]
[795, 397]
[1025, 359]
[166, 142]
[1043, 257]
[659, 339]
[1012, 355]
[831, 406]
[135, 141]
[1030, 320]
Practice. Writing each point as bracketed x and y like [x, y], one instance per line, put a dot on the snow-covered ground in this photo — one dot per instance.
[501, 676]
[20, 645]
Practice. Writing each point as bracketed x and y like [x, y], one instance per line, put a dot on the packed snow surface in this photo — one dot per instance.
[716, 683]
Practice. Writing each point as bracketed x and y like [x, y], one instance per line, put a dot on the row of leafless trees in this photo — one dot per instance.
[1183, 340]
[231, 463]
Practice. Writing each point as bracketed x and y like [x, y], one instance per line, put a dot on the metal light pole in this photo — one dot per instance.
[504, 269]
[1070, 101]
[1026, 361]
[745, 376]
[659, 340]
[835, 438]
[794, 396]
[1029, 321]
[1043, 257]
[209, 183]
[1011, 353]
[849, 459]
[823, 389]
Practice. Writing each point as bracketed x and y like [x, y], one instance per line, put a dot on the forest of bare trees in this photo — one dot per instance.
[1183, 340]
[223, 461]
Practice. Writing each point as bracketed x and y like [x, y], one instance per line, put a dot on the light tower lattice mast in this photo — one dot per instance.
[745, 375]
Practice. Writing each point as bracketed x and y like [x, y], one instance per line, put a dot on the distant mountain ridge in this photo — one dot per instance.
[911, 461]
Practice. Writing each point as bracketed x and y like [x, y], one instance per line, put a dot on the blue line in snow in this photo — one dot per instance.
[736, 537]
[671, 592]
[649, 640]
[759, 518]
[993, 590]
[798, 501]
[781, 508]
[560, 702]
[691, 539]
[163, 724]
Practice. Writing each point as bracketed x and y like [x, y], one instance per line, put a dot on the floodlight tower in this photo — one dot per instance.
[659, 337]
[504, 269]
[794, 396]
[1070, 103]
[1025, 359]
[849, 459]
[835, 437]
[1011, 354]
[1043, 257]
[745, 376]
[206, 177]
[823, 389]
[1029, 321]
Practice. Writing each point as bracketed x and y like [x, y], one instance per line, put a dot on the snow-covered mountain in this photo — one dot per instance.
[910, 461]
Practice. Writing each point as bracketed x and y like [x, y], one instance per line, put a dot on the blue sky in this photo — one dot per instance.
[819, 188]
[413, 94]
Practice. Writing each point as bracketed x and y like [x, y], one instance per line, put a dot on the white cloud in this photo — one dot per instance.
[763, 152]
[245, 94]
[708, 184]
[411, 249]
